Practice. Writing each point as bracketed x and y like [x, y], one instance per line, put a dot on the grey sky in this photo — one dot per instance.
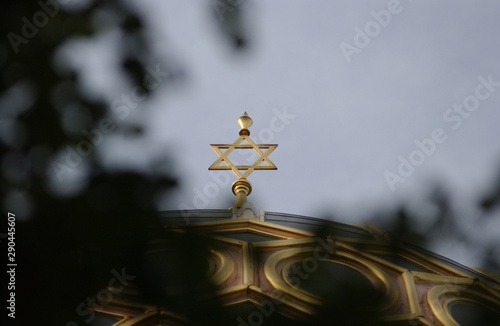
[351, 120]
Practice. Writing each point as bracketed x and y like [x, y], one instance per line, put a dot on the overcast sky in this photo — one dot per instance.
[351, 91]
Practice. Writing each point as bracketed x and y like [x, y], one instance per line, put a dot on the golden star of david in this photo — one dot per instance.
[223, 157]
[241, 187]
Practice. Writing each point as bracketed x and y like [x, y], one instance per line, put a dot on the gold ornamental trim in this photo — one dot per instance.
[369, 270]
[226, 269]
[441, 308]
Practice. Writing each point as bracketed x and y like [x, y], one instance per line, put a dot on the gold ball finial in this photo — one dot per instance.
[245, 121]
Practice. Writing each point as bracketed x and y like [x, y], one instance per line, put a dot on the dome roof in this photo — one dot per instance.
[263, 268]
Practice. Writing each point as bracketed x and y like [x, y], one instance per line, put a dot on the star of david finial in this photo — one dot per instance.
[241, 187]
